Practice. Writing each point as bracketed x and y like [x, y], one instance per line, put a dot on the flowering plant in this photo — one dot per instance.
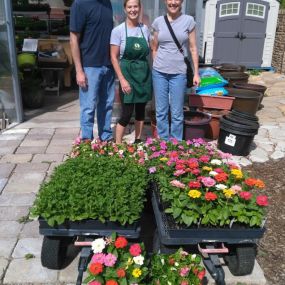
[179, 268]
[202, 186]
[116, 262]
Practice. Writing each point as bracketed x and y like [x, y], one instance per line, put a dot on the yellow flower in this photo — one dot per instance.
[229, 193]
[194, 194]
[163, 159]
[237, 173]
[137, 272]
[207, 168]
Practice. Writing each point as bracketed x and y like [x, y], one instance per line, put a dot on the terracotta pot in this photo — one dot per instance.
[213, 129]
[208, 101]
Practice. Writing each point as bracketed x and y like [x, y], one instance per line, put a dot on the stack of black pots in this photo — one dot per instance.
[238, 128]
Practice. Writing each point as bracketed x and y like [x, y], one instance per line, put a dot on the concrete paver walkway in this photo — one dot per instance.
[30, 151]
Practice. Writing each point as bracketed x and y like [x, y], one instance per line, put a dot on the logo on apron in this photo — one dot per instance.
[137, 46]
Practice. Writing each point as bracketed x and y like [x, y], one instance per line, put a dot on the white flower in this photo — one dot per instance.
[162, 261]
[169, 283]
[98, 245]
[213, 173]
[140, 147]
[120, 151]
[139, 259]
[193, 256]
[176, 264]
[216, 162]
[221, 187]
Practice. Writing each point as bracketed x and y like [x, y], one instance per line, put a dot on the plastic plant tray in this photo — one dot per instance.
[169, 236]
[89, 228]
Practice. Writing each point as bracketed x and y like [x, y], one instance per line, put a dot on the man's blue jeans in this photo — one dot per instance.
[169, 91]
[99, 94]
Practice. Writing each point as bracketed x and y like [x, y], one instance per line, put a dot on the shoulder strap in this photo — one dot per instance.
[173, 35]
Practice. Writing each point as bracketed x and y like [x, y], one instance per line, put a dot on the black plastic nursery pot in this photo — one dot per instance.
[195, 124]
[246, 101]
[236, 137]
[235, 77]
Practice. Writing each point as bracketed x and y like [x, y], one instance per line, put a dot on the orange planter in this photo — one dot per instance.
[209, 101]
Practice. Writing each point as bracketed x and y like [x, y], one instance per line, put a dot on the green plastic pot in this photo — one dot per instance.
[26, 59]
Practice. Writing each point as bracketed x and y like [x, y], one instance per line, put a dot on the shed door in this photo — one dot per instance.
[240, 32]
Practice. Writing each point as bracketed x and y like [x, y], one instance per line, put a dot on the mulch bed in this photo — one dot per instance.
[271, 248]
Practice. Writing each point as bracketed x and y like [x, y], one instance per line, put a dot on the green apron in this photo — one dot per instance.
[135, 68]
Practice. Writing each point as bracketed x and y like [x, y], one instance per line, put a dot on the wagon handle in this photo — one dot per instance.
[206, 251]
[83, 243]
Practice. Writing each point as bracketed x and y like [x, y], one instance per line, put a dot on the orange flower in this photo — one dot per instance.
[111, 282]
[121, 242]
[131, 149]
[259, 183]
[96, 268]
[221, 177]
[250, 182]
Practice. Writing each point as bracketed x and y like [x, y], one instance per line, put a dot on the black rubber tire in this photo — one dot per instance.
[53, 252]
[158, 247]
[240, 259]
[220, 278]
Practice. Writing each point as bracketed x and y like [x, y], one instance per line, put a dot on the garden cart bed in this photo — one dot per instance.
[236, 245]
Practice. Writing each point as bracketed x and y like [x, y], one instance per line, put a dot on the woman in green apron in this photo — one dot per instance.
[130, 42]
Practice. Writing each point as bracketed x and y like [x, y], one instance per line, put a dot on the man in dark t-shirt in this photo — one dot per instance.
[91, 23]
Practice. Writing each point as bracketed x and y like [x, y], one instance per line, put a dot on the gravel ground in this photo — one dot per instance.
[271, 250]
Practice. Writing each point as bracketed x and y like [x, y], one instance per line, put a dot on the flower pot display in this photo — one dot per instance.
[195, 124]
[209, 101]
[235, 77]
[253, 87]
[213, 129]
[246, 101]
[236, 136]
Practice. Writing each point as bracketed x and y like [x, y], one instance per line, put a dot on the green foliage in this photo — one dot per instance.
[94, 187]
[282, 4]
[254, 72]
[29, 256]
[176, 268]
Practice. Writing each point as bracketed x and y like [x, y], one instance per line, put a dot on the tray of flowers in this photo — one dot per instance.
[90, 194]
[200, 196]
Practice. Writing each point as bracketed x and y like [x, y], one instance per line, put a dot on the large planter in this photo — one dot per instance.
[195, 124]
[235, 77]
[228, 67]
[213, 129]
[246, 101]
[208, 101]
[236, 137]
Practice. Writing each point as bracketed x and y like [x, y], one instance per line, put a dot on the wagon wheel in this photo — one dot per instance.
[240, 259]
[220, 276]
[53, 252]
[158, 247]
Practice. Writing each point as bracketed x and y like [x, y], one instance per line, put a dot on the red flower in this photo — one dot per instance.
[193, 164]
[250, 182]
[219, 170]
[194, 185]
[245, 195]
[121, 242]
[112, 282]
[135, 249]
[96, 268]
[131, 149]
[171, 261]
[261, 200]
[210, 196]
[195, 171]
[179, 166]
[121, 273]
[201, 274]
[221, 177]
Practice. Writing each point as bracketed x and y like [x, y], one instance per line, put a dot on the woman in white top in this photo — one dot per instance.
[130, 43]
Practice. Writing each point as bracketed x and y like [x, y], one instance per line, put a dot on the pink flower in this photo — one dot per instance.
[204, 158]
[177, 184]
[179, 172]
[77, 141]
[135, 249]
[261, 200]
[149, 141]
[208, 182]
[174, 141]
[195, 171]
[184, 271]
[110, 260]
[94, 283]
[245, 195]
[98, 258]
[153, 148]
[184, 282]
[236, 188]
[152, 169]
[163, 145]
